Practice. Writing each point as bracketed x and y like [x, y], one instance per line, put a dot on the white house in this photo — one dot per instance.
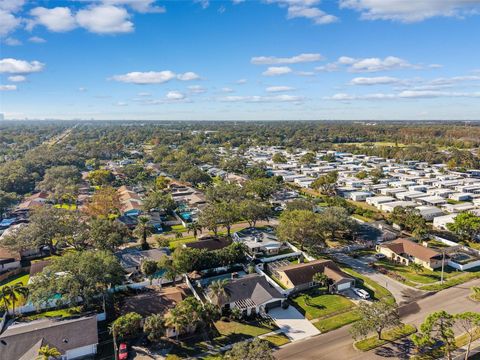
[440, 222]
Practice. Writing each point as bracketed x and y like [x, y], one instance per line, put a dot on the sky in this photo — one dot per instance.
[240, 59]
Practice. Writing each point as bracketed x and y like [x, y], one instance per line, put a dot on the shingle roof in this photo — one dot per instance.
[303, 273]
[405, 246]
[210, 244]
[20, 340]
[253, 287]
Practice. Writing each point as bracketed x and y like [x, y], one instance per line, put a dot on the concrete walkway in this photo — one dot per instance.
[292, 323]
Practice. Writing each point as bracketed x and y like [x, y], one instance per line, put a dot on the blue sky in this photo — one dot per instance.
[240, 60]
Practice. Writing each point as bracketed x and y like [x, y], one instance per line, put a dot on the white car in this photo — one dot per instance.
[361, 293]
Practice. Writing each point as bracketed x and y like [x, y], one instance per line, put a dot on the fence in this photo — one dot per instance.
[14, 272]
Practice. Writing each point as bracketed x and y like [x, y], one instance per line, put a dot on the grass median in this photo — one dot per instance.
[387, 336]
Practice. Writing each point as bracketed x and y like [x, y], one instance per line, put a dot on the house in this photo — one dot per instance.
[75, 338]
[131, 203]
[405, 252]
[429, 212]
[441, 222]
[299, 277]
[259, 241]
[251, 294]
[359, 195]
[9, 259]
[33, 201]
[131, 259]
[209, 243]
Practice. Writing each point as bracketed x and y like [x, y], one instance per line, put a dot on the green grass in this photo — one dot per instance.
[178, 228]
[251, 329]
[179, 242]
[321, 305]
[457, 280]
[55, 313]
[387, 336]
[277, 339]
[337, 321]
[424, 277]
[375, 290]
[66, 206]
[463, 339]
[20, 278]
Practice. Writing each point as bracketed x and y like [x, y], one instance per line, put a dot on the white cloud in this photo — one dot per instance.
[377, 64]
[203, 3]
[279, 88]
[11, 5]
[174, 96]
[330, 67]
[188, 76]
[17, 78]
[82, 89]
[277, 70]
[14, 66]
[12, 41]
[241, 81]
[406, 94]
[379, 80]
[8, 87]
[197, 89]
[411, 11]
[105, 19]
[262, 99]
[144, 94]
[141, 6]
[57, 19]
[121, 103]
[227, 90]
[148, 77]
[305, 9]
[272, 60]
[236, 2]
[8, 22]
[37, 40]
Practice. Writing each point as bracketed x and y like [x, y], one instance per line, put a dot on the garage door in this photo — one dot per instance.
[273, 304]
[344, 286]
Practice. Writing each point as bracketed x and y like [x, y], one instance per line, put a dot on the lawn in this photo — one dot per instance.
[250, 329]
[387, 336]
[337, 321]
[179, 242]
[55, 313]
[424, 277]
[66, 206]
[453, 281]
[321, 305]
[277, 339]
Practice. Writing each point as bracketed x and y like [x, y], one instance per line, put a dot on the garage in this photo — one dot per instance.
[273, 304]
[344, 286]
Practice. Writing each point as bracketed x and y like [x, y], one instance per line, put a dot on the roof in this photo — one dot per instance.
[405, 246]
[210, 244]
[303, 273]
[253, 287]
[133, 257]
[20, 341]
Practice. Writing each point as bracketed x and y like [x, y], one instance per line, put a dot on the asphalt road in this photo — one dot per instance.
[337, 344]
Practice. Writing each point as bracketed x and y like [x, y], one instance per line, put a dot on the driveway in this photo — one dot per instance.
[402, 293]
[292, 323]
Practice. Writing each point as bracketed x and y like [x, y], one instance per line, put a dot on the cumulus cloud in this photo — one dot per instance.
[175, 95]
[411, 11]
[8, 87]
[272, 60]
[105, 19]
[378, 80]
[37, 40]
[154, 77]
[58, 19]
[279, 88]
[307, 9]
[12, 41]
[277, 70]
[196, 89]
[17, 78]
[376, 64]
[14, 66]
[141, 6]
[188, 76]
[8, 22]
[262, 99]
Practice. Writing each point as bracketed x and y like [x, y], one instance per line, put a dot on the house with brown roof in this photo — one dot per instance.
[405, 252]
[298, 277]
[209, 243]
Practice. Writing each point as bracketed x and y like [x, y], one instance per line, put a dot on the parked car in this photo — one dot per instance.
[123, 352]
[361, 293]
[380, 256]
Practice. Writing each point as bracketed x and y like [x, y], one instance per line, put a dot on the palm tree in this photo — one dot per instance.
[142, 231]
[5, 296]
[194, 227]
[321, 279]
[16, 290]
[217, 292]
[175, 319]
[46, 353]
[416, 267]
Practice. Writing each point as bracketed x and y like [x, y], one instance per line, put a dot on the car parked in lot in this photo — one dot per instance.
[362, 294]
[123, 352]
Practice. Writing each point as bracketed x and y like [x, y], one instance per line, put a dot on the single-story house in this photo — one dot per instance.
[441, 222]
[131, 259]
[405, 252]
[251, 294]
[429, 212]
[75, 338]
[300, 276]
[209, 243]
[259, 241]
[359, 195]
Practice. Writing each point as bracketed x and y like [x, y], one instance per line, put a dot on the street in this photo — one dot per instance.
[337, 344]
